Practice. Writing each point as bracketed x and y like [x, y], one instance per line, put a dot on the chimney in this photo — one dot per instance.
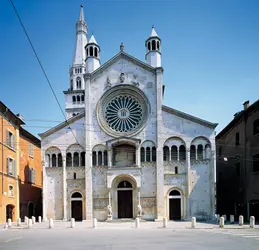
[20, 116]
[246, 104]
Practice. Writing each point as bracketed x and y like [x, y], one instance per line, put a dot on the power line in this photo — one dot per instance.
[41, 66]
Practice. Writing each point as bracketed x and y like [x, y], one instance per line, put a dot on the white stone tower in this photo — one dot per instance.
[92, 51]
[74, 96]
[153, 49]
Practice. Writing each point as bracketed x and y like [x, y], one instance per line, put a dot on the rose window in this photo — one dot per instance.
[122, 110]
[123, 113]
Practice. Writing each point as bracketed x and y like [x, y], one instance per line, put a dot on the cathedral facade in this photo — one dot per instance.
[121, 153]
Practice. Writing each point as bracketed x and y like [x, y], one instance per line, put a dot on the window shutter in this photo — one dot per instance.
[30, 175]
[34, 176]
[7, 166]
[14, 168]
[14, 142]
[7, 138]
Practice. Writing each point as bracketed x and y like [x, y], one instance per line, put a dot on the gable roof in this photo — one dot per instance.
[189, 117]
[124, 55]
[62, 125]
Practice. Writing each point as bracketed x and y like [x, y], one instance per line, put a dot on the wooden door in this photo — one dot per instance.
[77, 210]
[125, 206]
[175, 209]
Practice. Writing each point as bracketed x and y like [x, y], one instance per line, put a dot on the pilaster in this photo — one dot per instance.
[64, 189]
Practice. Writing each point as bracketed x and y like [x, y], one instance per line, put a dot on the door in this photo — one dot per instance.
[9, 212]
[77, 210]
[175, 209]
[125, 208]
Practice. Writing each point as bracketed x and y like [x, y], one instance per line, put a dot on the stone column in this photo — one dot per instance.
[138, 156]
[178, 153]
[170, 154]
[44, 188]
[109, 157]
[196, 152]
[145, 155]
[57, 160]
[102, 158]
[139, 196]
[203, 152]
[64, 189]
[188, 181]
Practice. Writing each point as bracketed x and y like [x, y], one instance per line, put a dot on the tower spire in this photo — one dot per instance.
[81, 39]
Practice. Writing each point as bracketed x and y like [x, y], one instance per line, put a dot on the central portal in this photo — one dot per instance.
[125, 204]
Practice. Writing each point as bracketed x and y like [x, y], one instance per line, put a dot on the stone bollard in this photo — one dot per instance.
[252, 221]
[94, 223]
[30, 223]
[225, 218]
[39, 219]
[19, 222]
[137, 223]
[26, 220]
[241, 220]
[51, 223]
[221, 222]
[33, 220]
[73, 223]
[164, 222]
[232, 219]
[9, 222]
[193, 222]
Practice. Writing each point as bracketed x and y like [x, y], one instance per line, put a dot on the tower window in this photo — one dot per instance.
[71, 84]
[95, 52]
[82, 98]
[148, 46]
[78, 99]
[153, 45]
[91, 51]
[78, 83]
[157, 45]
[74, 99]
[86, 52]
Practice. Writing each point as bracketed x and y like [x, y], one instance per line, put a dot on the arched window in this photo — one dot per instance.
[148, 154]
[48, 160]
[166, 153]
[207, 152]
[95, 52]
[74, 114]
[193, 152]
[157, 44]
[94, 159]
[174, 193]
[74, 176]
[174, 153]
[148, 46]
[54, 160]
[59, 160]
[74, 99]
[200, 152]
[82, 98]
[69, 160]
[99, 158]
[153, 153]
[78, 83]
[82, 158]
[78, 99]
[153, 45]
[76, 195]
[91, 51]
[76, 160]
[142, 154]
[176, 170]
[71, 85]
[105, 155]
[182, 153]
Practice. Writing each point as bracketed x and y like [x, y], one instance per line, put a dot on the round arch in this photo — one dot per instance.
[76, 205]
[174, 140]
[123, 177]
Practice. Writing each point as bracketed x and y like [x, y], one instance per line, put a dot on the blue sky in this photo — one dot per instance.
[210, 52]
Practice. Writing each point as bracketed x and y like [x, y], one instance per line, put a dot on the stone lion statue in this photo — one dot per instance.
[139, 210]
[109, 208]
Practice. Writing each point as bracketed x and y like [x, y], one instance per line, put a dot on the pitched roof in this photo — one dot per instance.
[92, 39]
[153, 33]
[124, 55]
[189, 117]
[62, 125]
[237, 118]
